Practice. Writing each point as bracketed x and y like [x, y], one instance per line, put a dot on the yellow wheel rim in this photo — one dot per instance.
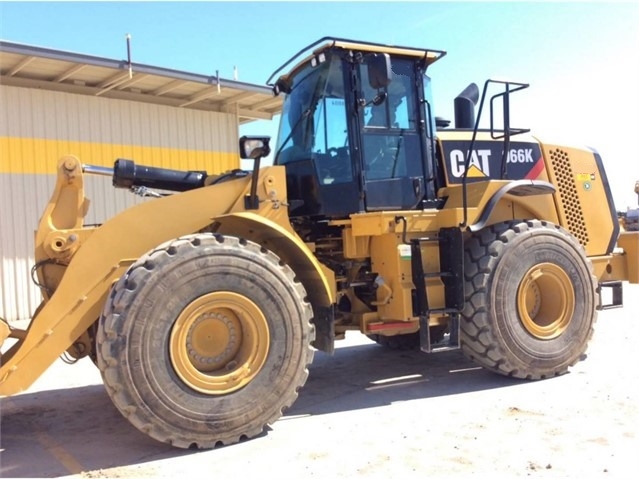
[219, 343]
[546, 301]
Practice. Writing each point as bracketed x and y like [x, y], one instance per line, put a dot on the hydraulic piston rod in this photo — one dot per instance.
[97, 170]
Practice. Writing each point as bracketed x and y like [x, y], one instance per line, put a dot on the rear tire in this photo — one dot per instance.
[205, 340]
[530, 300]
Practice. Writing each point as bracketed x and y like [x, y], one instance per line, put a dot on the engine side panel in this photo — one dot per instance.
[584, 201]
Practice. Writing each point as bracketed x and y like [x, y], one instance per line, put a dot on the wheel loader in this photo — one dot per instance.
[203, 306]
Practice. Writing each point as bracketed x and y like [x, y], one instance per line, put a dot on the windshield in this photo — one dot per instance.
[314, 122]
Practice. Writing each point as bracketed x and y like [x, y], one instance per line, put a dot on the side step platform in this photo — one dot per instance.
[617, 295]
[448, 343]
[451, 260]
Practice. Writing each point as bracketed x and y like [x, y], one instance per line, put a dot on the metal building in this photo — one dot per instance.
[54, 103]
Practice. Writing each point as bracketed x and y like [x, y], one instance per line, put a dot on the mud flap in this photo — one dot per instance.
[324, 320]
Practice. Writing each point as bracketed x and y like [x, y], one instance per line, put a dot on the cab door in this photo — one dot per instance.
[391, 142]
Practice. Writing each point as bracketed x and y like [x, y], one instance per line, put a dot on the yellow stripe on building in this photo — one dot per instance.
[40, 156]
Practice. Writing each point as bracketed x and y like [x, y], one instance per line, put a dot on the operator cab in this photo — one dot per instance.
[357, 131]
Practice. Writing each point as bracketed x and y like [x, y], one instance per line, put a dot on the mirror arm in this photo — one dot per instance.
[252, 201]
[377, 100]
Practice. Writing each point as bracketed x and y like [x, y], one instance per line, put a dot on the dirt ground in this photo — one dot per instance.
[364, 412]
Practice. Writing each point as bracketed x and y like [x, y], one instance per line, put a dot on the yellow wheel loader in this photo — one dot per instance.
[203, 306]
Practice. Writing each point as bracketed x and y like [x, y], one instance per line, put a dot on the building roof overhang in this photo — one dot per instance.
[37, 67]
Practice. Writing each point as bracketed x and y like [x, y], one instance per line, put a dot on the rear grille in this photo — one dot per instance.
[573, 215]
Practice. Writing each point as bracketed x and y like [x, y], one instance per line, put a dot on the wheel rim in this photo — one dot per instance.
[546, 301]
[219, 343]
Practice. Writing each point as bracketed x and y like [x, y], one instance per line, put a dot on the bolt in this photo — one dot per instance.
[69, 165]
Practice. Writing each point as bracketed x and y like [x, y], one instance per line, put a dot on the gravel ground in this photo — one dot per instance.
[364, 412]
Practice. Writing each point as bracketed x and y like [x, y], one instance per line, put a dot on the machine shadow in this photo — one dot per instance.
[369, 375]
[67, 431]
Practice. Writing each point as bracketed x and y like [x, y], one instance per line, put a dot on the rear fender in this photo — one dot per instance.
[519, 191]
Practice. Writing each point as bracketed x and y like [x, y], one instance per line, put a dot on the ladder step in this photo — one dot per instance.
[440, 274]
[426, 239]
[448, 344]
[444, 311]
[617, 294]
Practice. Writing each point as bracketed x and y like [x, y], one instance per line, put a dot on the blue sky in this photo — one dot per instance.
[581, 58]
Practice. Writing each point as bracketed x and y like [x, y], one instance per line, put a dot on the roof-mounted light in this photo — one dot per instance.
[318, 59]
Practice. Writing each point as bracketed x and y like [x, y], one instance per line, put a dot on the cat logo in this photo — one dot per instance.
[478, 167]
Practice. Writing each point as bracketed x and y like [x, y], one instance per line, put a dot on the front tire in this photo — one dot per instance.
[205, 340]
[530, 300]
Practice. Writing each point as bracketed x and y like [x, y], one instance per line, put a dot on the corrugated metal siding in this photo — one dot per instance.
[37, 127]
[99, 130]
[18, 198]
[22, 200]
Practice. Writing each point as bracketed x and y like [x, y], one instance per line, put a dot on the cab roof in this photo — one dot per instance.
[328, 43]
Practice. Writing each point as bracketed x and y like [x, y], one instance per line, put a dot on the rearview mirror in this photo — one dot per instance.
[379, 70]
[252, 147]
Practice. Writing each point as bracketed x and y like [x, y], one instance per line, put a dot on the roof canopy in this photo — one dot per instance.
[37, 67]
[428, 55]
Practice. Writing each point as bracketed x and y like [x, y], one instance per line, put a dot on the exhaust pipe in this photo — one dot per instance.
[465, 107]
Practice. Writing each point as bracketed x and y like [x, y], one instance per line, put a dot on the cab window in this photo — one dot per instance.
[390, 139]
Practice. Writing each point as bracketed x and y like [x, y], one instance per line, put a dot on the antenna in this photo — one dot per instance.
[128, 54]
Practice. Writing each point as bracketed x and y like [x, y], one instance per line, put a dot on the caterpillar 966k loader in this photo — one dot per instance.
[202, 308]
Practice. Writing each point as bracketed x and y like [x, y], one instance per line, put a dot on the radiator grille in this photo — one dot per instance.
[573, 215]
